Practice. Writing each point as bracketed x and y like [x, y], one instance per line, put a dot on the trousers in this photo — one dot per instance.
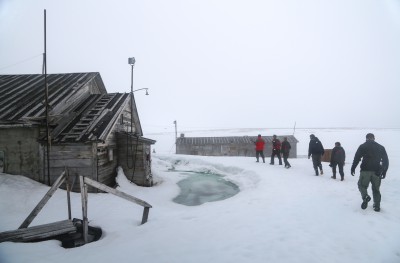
[258, 154]
[367, 177]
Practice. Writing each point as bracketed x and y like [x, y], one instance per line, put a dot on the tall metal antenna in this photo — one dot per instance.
[47, 102]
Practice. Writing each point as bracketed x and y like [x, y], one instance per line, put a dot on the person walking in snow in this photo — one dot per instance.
[373, 168]
[285, 149]
[338, 157]
[276, 150]
[260, 143]
[316, 150]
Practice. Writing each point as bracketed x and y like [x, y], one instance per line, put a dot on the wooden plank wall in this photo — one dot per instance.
[106, 168]
[21, 152]
[232, 149]
[87, 160]
[80, 159]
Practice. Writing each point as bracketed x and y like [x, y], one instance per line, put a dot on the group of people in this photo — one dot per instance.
[373, 168]
[278, 149]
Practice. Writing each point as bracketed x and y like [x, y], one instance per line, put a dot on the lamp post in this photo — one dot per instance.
[131, 61]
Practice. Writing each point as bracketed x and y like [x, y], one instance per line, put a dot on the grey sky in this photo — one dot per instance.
[222, 63]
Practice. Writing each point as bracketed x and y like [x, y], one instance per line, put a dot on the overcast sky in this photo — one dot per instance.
[222, 63]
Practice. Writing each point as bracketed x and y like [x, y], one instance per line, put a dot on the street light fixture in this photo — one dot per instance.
[147, 93]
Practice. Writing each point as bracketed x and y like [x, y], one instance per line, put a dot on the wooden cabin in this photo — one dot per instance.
[229, 146]
[84, 123]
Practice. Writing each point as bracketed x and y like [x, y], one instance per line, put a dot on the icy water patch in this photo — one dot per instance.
[200, 188]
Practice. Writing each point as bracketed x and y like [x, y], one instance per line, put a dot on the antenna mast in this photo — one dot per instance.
[48, 138]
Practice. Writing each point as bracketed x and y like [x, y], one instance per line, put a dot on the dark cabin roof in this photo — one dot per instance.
[229, 140]
[80, 107]
[92, 119]
[23, 96]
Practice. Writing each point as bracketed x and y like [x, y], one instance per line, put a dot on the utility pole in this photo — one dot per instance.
[294, 128]
[176, 136]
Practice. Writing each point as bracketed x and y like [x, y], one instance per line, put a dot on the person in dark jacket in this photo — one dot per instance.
[260, 148]
[285, 150]
[276, 150]
[338, 157]
[316, 150]
[373, 168]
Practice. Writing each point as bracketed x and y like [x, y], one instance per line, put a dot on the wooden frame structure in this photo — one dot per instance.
[25, 233]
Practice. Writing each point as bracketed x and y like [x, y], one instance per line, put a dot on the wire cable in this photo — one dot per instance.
[20, 62]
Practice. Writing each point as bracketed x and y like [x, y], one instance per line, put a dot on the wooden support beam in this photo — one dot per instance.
[43, 202]
[68, 193]
[145, 214]
[116, 192]
[121, 194]
[84, 198]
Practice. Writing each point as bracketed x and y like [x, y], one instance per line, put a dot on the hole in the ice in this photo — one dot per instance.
[199, 188]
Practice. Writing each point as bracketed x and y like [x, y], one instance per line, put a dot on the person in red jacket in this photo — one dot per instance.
[260, 143]
[276, 150]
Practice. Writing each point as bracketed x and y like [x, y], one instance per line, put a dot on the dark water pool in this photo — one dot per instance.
[199, 188]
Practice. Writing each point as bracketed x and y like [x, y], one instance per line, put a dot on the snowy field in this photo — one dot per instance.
[279, 215]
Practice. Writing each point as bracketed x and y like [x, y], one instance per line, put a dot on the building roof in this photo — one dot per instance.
[92, 119]
[228, 140]
[22, 97]
[80, 107]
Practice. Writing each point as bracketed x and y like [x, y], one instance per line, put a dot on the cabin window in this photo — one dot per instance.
[122, 119]
[110, 155]
[2, 161]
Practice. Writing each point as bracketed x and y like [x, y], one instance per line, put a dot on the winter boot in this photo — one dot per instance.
[377, 207]
[365, 202]
[341, 177]
[316, 172]
[333, 176]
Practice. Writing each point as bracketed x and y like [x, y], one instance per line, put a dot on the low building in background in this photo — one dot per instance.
[229, 146]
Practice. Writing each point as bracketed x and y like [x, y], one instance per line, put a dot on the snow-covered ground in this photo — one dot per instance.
[279, 215]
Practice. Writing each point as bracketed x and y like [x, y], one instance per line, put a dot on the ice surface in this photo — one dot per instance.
[200, 188]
